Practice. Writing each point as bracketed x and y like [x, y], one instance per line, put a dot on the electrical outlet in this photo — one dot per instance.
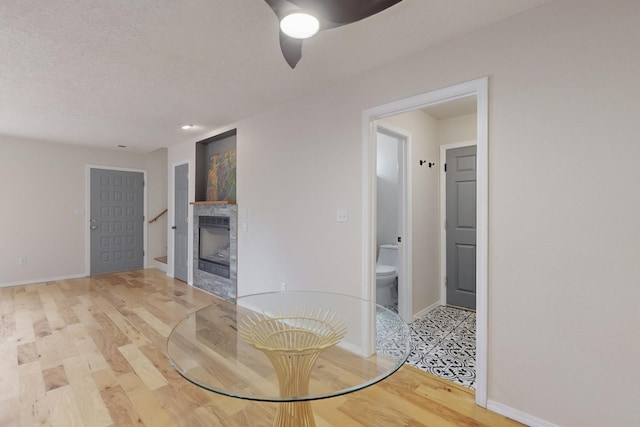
[283, 287]
[22, 260]
[342, 215]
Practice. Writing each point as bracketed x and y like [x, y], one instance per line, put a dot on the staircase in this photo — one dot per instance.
[161, 263]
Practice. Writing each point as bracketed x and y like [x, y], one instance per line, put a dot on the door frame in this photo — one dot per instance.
[171, 243]
[479, 89]
[87, 211]
[443, 213]
[405, 248]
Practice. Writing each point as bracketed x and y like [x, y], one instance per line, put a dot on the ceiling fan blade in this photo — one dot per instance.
[341, 12]
[363, 9]
[291, 49]
[331, 13]
[280, 7]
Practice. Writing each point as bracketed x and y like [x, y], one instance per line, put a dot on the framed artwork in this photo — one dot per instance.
[221, 177]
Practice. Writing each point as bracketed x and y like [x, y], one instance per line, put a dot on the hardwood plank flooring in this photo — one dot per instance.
[91, 352]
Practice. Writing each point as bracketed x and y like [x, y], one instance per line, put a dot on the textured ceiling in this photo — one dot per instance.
[130, 72]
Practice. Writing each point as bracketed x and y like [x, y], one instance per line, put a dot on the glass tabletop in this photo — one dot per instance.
[289, 346]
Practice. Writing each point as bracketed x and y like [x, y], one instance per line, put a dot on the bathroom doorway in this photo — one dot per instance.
[425, 166]
[443, 335]
[393, 219]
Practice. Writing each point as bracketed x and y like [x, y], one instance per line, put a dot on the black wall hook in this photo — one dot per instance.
[429, 163]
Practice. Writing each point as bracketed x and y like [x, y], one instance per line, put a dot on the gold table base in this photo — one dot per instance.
[293, 343]
[294, 371]
[294, 414]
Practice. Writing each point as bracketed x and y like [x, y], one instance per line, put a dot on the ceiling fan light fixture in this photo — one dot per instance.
[300, 25]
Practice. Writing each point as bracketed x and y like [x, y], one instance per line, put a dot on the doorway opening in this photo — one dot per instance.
[479, 90]
[393, 219]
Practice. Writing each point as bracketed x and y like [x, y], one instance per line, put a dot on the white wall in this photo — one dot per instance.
[387, 190]
[293, 175]
[457, 129]
[43, 187]
[563, 208]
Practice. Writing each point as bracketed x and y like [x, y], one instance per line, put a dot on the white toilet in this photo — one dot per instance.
[386, 274]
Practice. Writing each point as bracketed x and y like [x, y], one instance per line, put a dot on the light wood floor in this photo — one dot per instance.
[91, 352]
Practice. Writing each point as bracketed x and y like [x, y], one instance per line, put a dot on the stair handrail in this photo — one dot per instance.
[158, 216]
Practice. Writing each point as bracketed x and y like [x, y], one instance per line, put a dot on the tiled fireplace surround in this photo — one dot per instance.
[220, 286]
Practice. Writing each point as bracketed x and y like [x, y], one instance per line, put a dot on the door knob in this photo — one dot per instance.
[173, 228]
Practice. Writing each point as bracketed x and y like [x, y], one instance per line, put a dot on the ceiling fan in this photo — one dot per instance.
[320, 15]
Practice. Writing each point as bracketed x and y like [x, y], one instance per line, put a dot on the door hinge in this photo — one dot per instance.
[446, 280]
[144, 183]
[143, 253]
[445, 167]
[399, 239]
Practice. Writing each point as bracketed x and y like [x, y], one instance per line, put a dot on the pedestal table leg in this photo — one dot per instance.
[294, 371]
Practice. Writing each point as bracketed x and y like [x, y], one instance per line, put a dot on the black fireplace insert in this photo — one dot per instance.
[214, 255]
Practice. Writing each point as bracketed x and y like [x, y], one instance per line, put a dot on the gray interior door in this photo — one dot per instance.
[461, 227]
[116, 221]
[180, 227]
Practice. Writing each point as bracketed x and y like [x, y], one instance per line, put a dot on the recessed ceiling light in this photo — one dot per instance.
[299, 25]
[187, 127]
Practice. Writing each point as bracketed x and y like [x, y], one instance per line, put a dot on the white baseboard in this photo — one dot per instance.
[424, 311]
[54, 278]
[516, 415]
[42, 280]
[160, 266]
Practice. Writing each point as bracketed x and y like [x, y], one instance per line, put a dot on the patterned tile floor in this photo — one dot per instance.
[443, 342]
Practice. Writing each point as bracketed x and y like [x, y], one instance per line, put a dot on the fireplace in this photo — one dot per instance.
[214, 248]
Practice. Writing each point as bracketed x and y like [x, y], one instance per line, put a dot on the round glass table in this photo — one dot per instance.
[289, 347]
